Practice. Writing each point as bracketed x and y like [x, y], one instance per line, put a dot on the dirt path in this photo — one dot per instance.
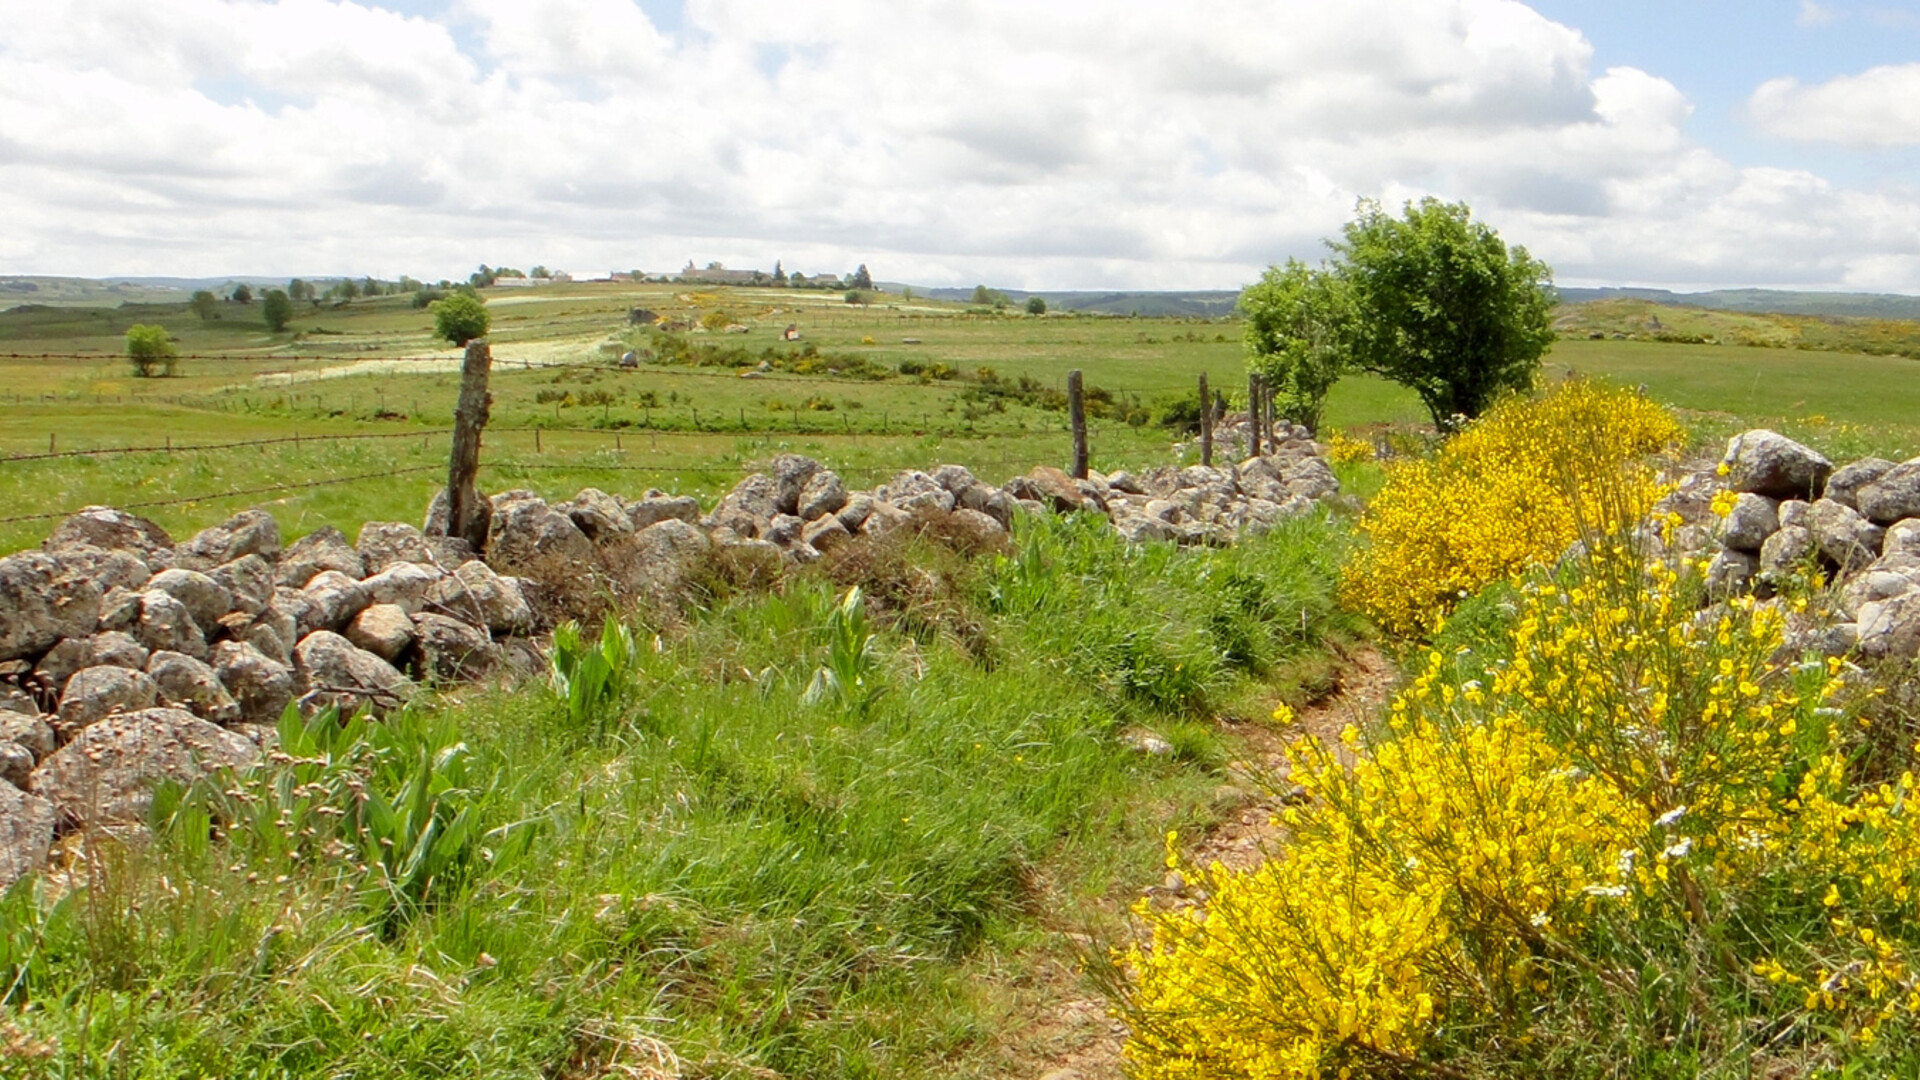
[1069, 1035]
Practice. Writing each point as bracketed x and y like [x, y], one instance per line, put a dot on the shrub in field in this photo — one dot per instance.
[1508, 492]
[1640, 842]
[460, 317]
[151, 351]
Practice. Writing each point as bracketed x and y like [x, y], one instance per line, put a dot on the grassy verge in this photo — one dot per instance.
[796, 837]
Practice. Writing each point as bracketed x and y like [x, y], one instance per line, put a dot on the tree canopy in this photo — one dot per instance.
[1445, 308]
[460, 317]
[204, 304]
[1297, 323]
[150, 350]
[1432, 300]
[277, 308]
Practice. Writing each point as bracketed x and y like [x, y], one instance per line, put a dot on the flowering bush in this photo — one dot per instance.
[1344, 449]
[1642, 840]
[1505, 494]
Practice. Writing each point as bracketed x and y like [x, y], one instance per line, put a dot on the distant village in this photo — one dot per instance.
[715, 273]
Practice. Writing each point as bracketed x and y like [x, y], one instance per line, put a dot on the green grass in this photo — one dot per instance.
[720, 867]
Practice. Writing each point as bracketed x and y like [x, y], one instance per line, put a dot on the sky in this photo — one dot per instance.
[1106, 144]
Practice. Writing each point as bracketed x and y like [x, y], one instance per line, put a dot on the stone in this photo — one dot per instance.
[884, 518]
[332, 600]
[1787, 551]
[1140, 528]
[655, 508]
[15, 700]
[1890, 628]
[448, 650]
[1692, 499]
[599, 515]
[823, 495]
[259, 684]
[385, 630]
[1796, 512]
[106, 775]
[1752, 519]
[784, 529]
[95, 692]
[1894, 495]
[26, 834]
[1126, 482]
[203, 597]
[325, 548]
[186, 683]
[1311, 478]
[660, 560]
[1731, 573]
[67, 656]
[249, 532]
[32, 732]
[330, 670]
[825, 534]
[1843, 536]
[791, 475]
[980, 529]
[1768, 463]
[1872, 586]
[992, 502]
[40, 604]
[1844, 485]
[477, 595]
[956, 479]
[748, 507]
[1054, 488]
[856, 510]
[249, 582]
[404, 585]
[165, 623]
[526, 531]
[383, 543]
[1903, 538]
[109, 529]
[107, 569]
[119, 610]
[16, 764]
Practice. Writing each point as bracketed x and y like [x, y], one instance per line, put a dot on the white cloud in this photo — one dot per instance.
[1812, 15]
[1878, 107]
[1123, 143]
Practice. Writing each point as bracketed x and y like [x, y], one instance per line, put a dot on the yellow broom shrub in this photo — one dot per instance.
[1502, 496]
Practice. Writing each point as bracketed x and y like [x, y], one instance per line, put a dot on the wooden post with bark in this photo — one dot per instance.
[468, 513]
[1206, 423]
[1077, 412]
[1255, 384]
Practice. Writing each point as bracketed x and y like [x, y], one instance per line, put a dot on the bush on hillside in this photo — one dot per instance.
[151, 351]
[1508, 492]
[460, 318]
[1642, 843]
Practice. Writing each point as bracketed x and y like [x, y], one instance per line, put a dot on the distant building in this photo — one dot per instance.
[717, 274]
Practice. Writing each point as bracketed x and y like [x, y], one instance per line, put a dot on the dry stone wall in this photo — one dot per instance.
[127, 658]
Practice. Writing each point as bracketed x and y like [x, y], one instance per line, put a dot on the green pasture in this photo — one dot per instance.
[566, 416]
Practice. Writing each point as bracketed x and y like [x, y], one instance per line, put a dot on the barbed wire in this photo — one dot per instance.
[170, 448]
[235, 493]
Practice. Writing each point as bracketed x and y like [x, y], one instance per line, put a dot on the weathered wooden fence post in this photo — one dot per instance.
[468, 514]
[1077, 412]
[1206, 422]
[1254, 384]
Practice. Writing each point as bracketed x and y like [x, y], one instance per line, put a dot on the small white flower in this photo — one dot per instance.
[1541, 919]
[1606, 890]
[1671, 816]
[1627, 858]
[1679, 848]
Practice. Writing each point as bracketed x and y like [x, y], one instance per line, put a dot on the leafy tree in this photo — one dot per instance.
[204, 304]
[1298, 320]
[277, 307]
[541, 272]
[349, 289]
[779, 273]
[151, 351]
[461, 317]
[242, 294]
[370, 286]
[298, 290]
[1036, 305]
[861, 279]
[1445, 308]
[481, 278]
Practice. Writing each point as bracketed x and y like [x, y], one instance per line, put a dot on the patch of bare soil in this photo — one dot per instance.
[1061, 1029]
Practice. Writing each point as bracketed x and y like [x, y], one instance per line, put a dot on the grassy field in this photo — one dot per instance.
[566, 416]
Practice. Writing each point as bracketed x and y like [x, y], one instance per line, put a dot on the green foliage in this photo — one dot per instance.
[1444, 307]
[151, 351]
[861, 279]
[850, 675]
[591, 680]
[1036, 305]
[1296, 321]
[460, 318]
[204, 304]
[277, 309]
[242, 293]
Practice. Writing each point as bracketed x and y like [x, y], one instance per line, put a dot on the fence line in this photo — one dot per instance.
[170, 448]
[234, 493]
